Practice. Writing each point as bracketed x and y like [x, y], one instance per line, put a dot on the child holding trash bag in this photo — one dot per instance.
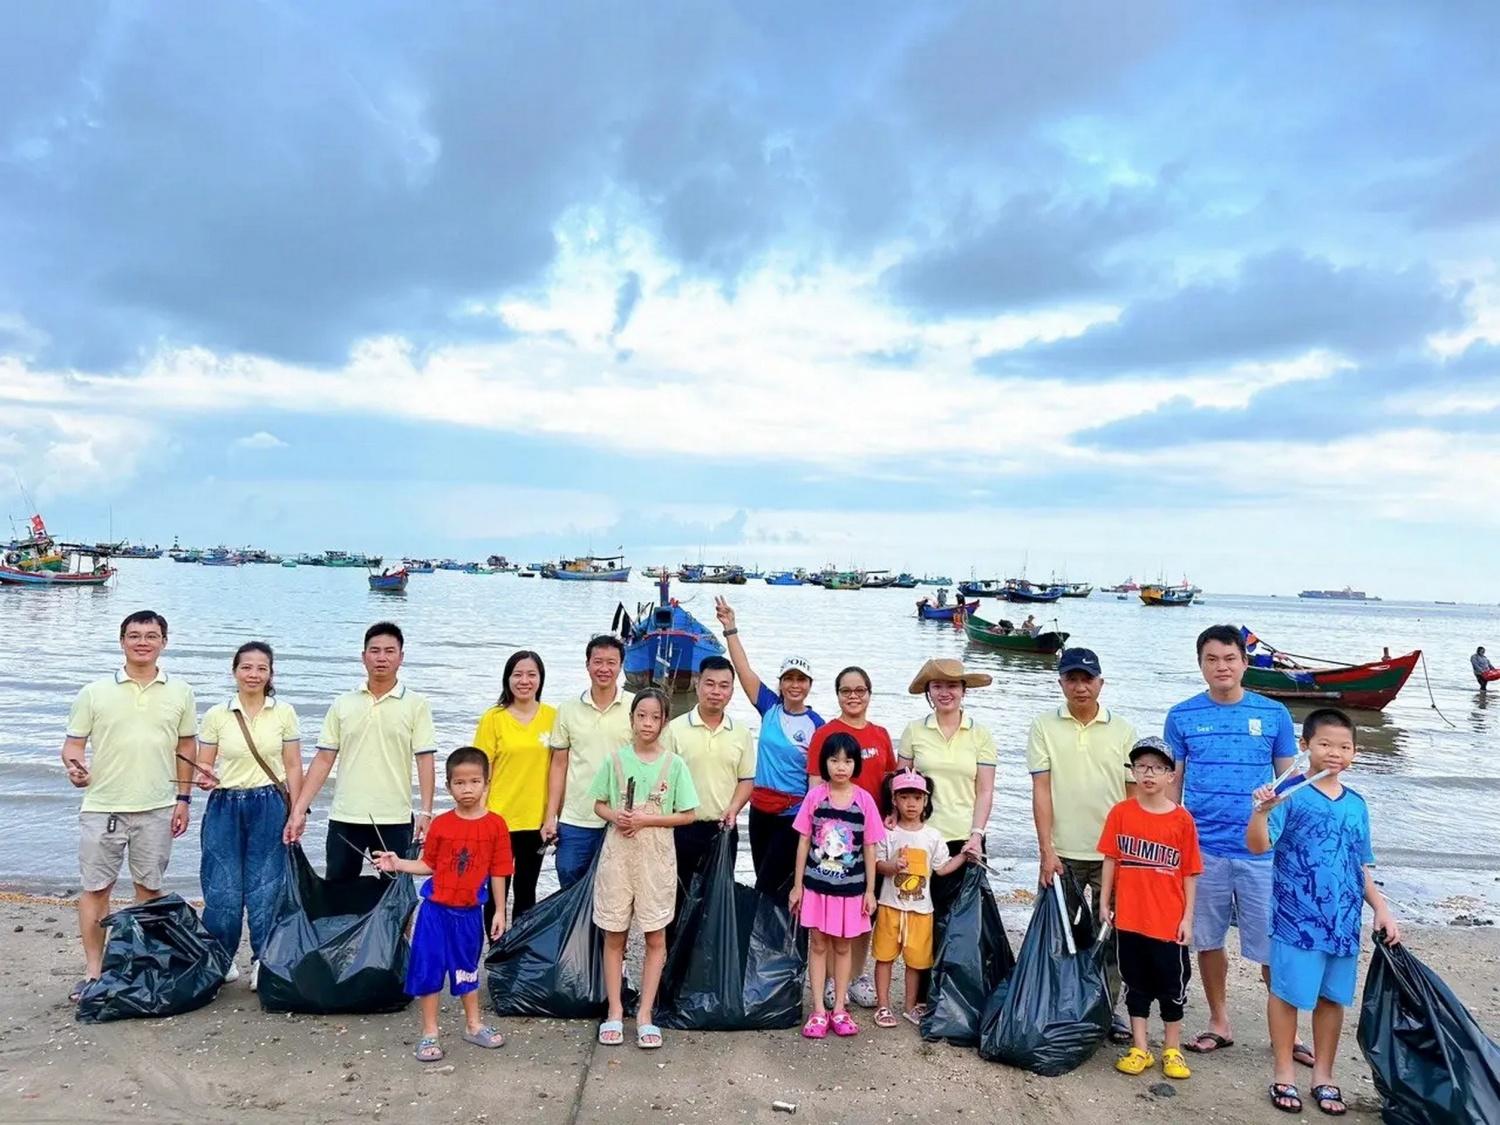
[466, 852]
[1151, 868]
[833, 883]
[643, 791]
[909, 856]
[1321, 878]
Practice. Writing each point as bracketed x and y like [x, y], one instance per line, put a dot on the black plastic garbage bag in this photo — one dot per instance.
[1432, 1063]
[1054, 1012]
[736, 962]
[337, 946]
[158, 961]
[550, 963]
[972, 956]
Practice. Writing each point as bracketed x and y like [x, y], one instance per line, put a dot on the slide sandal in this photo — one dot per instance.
[486, 1037]
[646, 1032]
[612, 1033]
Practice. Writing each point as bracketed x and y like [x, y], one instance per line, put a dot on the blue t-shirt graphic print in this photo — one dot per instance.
[1321, 849]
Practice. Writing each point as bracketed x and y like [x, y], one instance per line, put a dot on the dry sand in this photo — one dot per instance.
[230, 1062]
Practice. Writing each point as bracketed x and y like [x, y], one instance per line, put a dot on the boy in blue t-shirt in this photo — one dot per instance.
[1321, 879]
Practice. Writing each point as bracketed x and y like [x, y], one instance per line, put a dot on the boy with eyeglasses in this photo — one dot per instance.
[1151, 866]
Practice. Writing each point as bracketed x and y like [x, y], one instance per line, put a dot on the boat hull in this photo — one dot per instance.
[620, 575]
[1363, 687]
[15, 576]
[783, 580]
[393, 583]
[1034, 597]
[668, 657]
[986, 633]
[1156, 595]
[945, 612]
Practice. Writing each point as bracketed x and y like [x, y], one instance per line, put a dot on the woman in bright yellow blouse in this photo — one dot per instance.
[515, 733]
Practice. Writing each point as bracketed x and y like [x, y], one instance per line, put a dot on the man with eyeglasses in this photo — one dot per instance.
[1077, 757]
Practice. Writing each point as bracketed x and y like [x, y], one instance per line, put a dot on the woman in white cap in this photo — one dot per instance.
[786, 730]
[958, 757]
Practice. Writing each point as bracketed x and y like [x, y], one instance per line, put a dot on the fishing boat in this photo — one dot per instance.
[712, 574]
[527, 574]
[877, 580]
[664, 643]
[37, 551]
[348, 560]
[1283, 675]
[588, 568]
[929, 580]
[1004, 635]
[138, 551]
[258, 555]
[927, 611]
[784, 578]
[417, 566]
[1020, 590]
[188, 555]
[657, 573]
[290, 564]
[904, 581]
[1076, 589]
[306, 559]
[221, 556]
[389, 581]
[843, 580]
[101, 573]
[982, 588]
[1156, 594]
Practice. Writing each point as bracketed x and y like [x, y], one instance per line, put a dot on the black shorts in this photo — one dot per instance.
[1153, 970]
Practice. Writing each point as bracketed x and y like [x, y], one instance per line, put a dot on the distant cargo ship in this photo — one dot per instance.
[1347, 594]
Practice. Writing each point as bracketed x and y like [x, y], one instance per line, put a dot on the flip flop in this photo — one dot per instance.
[1219, 1043]
[1303, 1054]
[1285, 1092]
[1327, 1093]
[428, 1050]
[486, 1037]
[612, 1033]
[1119, 1032]
[648, 1031]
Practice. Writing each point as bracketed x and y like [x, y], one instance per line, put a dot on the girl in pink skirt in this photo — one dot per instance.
[834, 884]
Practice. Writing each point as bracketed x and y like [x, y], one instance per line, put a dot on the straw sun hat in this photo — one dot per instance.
[946, 670]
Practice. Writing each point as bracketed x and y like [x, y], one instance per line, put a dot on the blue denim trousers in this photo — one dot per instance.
[242, 864]
[576, 849]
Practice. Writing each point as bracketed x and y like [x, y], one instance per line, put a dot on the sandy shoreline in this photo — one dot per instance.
[230, 1062]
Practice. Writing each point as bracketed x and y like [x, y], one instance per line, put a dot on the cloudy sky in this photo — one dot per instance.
[1106, 288]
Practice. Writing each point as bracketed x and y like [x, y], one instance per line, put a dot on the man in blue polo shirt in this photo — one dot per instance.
[1228, 742]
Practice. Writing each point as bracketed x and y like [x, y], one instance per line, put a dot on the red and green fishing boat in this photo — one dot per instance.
[1364, 687]
[1004, 635]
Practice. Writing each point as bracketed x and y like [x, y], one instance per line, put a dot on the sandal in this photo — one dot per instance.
[1173, 1065]
[428, 1050]
[816, 1027]
[486, 1037]
[612, 1033]
[1119, 1032]
[646, 1032]
[1284, 1097]
[1135, 1061]
[1326, 1093]
[884, 1017]
[915, 1014]
[844, 1025]
[78, 989]
[1303, 1054]
[1220, 1043]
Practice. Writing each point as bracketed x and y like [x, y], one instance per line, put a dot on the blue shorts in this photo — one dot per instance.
[1302, 977]
[1237, 890]
[445, 945]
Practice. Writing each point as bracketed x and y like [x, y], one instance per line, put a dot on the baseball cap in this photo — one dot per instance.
[1079, 660]
[908, 779]
[1152, 745]
[795, 664]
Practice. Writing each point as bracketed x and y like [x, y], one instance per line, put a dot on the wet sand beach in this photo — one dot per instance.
[229, 1062]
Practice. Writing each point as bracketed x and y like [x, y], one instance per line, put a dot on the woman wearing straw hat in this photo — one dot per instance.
[958, 757]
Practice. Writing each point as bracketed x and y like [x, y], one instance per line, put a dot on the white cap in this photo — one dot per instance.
[796, 664]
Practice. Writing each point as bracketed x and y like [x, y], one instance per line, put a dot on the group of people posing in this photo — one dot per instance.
[863, 837]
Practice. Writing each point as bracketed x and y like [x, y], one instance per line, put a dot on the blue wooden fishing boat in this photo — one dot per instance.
[389, 582]
[783, 578]
[905, 581]
[1020, 590]
[929, 612]
[589, 568]
[417, 566]
[664, 643]
[982, 588]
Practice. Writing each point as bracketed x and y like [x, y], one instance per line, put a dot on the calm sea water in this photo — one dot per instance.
[1431, 774]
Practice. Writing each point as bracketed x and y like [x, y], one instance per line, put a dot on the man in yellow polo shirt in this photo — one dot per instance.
[140, 724]
[374, 732]
[1078, 757]
[720, 756]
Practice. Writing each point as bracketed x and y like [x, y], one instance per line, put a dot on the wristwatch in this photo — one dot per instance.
[731, 632]
[185, 798]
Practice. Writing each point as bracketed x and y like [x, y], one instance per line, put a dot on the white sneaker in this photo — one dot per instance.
[254, 973]
[862, 992]
[233, 974]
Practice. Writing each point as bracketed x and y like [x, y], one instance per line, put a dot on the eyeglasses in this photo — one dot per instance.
[854, 692]
[1146, 770]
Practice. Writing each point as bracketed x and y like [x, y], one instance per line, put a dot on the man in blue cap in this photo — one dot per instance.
[1077, 757]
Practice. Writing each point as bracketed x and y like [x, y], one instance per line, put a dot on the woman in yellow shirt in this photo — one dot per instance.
[242, 854]
[515, 733]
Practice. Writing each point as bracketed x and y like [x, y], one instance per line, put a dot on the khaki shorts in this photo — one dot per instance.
[636, 878]
[101, 851]
[903, 932]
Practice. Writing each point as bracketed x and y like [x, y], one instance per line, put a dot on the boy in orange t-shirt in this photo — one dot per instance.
[1151, 868]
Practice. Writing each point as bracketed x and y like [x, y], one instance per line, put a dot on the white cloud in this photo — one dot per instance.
[259, 440]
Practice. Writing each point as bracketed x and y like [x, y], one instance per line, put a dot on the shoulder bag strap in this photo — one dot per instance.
[261, 762]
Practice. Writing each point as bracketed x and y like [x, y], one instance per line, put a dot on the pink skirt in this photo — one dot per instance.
[834, 915]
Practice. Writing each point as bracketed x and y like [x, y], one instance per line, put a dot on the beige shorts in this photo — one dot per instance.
[636, 879]
[101, 850]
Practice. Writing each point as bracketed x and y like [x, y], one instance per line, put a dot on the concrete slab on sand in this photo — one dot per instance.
[231, 1063]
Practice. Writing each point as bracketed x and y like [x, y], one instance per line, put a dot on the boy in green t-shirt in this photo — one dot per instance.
[643, 792]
